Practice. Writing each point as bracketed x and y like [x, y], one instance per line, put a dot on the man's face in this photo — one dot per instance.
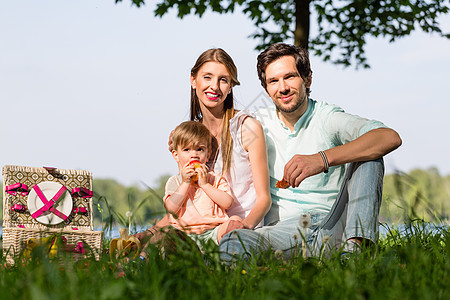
[285, 85]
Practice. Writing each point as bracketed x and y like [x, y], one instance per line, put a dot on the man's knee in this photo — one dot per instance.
[367, 167]
[241, 243]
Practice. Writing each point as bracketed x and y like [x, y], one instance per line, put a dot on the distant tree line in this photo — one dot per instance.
[113, 200]
[419, 194]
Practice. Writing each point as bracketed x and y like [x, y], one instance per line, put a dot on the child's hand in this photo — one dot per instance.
[202, 172]
[187, 172]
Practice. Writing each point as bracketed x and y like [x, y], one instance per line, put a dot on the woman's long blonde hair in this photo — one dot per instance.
[218, 55]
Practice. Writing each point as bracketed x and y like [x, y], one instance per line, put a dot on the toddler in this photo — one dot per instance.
[196, 198]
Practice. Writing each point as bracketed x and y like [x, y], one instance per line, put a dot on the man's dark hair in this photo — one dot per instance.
[275, 51]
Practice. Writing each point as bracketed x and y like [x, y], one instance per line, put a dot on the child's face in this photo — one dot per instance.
[198, 151]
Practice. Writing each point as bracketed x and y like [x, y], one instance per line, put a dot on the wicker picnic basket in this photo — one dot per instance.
[32, 209]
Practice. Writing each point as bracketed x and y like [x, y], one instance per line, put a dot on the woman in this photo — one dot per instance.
[240, 154]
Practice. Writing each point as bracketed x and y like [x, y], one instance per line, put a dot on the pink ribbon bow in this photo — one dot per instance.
[18, 208]
[17, 187]
[81, 192]
[80, 210]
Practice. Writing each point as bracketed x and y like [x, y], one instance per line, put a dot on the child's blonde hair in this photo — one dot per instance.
[191, 133]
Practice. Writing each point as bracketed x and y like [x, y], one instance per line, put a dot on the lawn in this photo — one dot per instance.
[409, 265]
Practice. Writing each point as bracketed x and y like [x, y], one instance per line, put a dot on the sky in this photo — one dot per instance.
[98, 86]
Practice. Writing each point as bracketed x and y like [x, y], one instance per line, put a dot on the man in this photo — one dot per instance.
[331, 160]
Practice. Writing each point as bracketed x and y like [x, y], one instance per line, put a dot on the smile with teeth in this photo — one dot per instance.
[212, 96]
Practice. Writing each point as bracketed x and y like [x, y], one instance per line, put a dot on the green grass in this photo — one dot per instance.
[412, 265]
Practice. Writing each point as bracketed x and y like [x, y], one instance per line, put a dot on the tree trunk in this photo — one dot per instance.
[301, 33]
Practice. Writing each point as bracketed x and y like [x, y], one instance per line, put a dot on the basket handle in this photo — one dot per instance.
[55, 173]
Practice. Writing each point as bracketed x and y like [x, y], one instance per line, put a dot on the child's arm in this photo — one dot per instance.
[175, 201]
[222, 198]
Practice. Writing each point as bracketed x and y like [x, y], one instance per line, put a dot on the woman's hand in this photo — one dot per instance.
[235, 224]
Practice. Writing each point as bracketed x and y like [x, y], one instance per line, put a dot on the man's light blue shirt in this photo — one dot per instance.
[322, 126]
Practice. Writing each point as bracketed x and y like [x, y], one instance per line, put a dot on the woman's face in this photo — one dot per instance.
[212, 84]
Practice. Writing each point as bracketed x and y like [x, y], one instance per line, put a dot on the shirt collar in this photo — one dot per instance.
[299, 122]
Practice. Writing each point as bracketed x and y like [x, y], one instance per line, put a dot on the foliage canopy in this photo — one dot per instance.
[342, 26]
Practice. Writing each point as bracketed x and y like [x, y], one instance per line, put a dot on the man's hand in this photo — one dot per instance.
[300, 167]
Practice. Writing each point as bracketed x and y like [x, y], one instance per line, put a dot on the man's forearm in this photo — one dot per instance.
[372, 145]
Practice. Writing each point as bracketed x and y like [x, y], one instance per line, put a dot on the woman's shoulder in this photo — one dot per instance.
[243, 113]
[240, 118]
[251, 123]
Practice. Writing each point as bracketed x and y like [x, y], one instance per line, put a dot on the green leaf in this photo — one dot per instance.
[343, 26]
